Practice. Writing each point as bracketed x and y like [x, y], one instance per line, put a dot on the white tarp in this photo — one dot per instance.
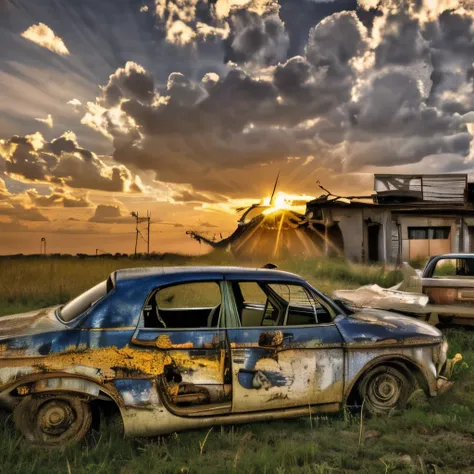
[406, 296]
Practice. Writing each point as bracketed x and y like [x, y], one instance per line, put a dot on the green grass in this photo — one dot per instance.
[435, 438]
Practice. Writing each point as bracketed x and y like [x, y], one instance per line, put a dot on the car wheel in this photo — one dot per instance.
[384, 389]
[53, 419]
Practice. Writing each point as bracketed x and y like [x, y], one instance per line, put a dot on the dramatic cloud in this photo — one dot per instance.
[48, 121]
[187, 196]
[13, 206]
[223, 93]
[63, 162]
[75, 103]
[184, 21]
[44, 36]
[106, 214]
[58, 198]
[256, 39]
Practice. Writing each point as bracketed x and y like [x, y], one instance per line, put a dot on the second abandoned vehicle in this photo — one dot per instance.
[178, 348]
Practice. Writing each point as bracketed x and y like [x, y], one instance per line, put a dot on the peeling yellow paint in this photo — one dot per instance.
[173, 389]
[106, 360]
[163, 341]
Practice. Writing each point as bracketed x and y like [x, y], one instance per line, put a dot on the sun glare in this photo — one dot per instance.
[283, 201]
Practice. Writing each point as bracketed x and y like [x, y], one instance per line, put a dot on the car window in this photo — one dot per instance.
[275, 304]
[301, 306]
[252, 293]
[184, 306]
[189, 295]
[449, 267]
[83, 302]
[445, 267]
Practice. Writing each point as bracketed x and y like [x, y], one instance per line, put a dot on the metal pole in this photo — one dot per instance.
[136, 235]
[148, 239]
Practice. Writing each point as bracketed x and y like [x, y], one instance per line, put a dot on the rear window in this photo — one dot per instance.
[83, 302]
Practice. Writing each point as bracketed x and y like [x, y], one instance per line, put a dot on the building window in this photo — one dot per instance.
[428, 233]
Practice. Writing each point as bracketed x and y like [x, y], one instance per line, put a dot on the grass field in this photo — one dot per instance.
[436, 437]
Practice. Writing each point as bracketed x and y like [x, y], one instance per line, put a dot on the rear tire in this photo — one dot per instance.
[384, 389]
[53, 419]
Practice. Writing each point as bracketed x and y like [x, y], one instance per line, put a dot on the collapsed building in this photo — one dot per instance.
[407, 217]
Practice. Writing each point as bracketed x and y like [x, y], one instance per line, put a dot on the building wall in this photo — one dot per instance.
[352, 228]
[436, 247]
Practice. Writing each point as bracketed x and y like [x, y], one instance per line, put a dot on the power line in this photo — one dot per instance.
[140, 220]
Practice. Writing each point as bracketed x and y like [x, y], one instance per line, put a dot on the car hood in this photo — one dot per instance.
[33, 322]
[379, 326]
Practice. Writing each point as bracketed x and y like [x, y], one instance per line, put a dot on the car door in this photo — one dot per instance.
[290, 359]
[181, 325]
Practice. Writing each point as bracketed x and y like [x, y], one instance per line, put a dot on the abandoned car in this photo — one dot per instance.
[443, 293]
[189, 347]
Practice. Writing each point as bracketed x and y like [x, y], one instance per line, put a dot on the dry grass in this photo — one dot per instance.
[33, 283]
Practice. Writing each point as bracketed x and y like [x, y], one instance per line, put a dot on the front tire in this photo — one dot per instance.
[53, 419]
[384, 389]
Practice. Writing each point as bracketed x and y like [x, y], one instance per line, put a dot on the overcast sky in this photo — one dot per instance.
[188, 108]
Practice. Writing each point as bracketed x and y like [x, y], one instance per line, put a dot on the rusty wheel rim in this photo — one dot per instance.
[55, 417]
[385, 390]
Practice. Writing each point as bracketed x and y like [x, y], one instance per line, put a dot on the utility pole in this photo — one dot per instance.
[148, 214]
[139, 220]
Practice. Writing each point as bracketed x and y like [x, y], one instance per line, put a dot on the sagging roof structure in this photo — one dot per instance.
[359, 227]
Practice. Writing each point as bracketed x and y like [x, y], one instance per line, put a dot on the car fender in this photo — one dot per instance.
[415, 370]
[40, 383]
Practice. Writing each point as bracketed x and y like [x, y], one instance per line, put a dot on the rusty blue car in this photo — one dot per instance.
[177, 348]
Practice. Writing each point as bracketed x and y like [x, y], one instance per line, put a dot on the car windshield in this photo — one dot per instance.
[83, 302]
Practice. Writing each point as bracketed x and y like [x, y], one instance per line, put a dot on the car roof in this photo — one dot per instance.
[206, 272]
[454, 255]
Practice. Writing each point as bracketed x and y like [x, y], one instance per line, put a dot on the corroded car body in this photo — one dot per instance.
[154, 343]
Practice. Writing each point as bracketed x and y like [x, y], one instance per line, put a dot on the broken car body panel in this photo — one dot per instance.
[212, 368]
[443, 292]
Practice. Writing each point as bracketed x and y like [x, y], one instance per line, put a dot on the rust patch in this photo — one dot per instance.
[173, 389]
[163, 341]
[208, 367]
[106, 360]
[23, 390]
[274, 338]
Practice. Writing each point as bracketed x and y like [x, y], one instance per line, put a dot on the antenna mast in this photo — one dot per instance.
[274, 189]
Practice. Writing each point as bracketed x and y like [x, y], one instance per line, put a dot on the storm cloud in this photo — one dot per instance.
[353, 97]
[218, 94]
[62, 162]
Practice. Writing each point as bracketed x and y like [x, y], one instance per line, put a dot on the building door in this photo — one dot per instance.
[373, 231]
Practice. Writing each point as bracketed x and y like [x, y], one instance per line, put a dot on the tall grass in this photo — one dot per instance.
[32, 283]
